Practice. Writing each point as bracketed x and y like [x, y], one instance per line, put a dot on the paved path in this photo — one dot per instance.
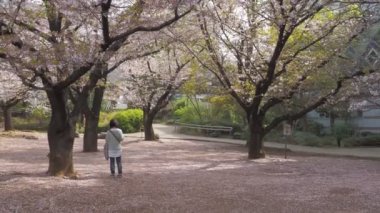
[168, 132]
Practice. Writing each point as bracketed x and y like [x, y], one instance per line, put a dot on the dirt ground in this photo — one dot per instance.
[186, 176]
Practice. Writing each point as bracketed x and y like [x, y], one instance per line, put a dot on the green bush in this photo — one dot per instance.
[307, 139]
[311, 127]
[130, 120]
[301, 138]
[103, 128]
[30, 124]
[189, 114]
[370, 140]
[36, 119]
[40, 114]
[104, 120]
[365, 134]
[341, 131]
[180, 103]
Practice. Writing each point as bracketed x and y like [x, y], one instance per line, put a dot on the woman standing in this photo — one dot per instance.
[114, 138]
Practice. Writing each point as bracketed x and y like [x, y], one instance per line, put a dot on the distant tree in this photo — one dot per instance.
[12, 91]
[151, 82]
[197, 85]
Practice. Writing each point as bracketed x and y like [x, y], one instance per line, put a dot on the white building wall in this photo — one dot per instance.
[369, 121]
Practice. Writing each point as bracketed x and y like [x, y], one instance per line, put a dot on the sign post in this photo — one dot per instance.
[287, 131]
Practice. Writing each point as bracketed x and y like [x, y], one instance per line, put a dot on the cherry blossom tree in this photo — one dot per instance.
[151, 82]
[53, 44]
[266, 54]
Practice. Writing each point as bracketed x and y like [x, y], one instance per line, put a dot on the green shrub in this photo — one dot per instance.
[30, 124]
[274, 136]
[341, 131]
[189, 114]
[301, 138]
[40, 114]
[104, 120]
[312, 127]
[180, 103]
[365, 134]
[215, 111]
[307, 139]
[37, 119]
[103, 128]
[130, 120]
[370, 140]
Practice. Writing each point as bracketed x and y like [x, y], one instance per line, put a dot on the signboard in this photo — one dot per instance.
[287, 130]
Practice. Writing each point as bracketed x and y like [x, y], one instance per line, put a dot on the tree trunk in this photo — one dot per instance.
[90, 139]
[7, 118]
[338, 139]
[255, 146]
[148, 126]
[304, 123]
[248, 117]
[332, 121]
[61, 134]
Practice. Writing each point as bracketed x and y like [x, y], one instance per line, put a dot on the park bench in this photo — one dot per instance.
[210, 130]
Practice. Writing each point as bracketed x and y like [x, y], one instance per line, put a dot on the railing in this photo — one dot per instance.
[208, 128]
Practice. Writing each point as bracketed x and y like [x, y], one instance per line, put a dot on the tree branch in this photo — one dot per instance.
[123, 36]
[128, 58]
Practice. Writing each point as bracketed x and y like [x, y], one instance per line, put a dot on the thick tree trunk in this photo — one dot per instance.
[61, 142]
[255, 147]
[90, 139]
[148, 126]
[61, 134]
[7, 118]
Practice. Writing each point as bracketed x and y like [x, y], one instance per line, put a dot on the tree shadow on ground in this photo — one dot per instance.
[15, 174]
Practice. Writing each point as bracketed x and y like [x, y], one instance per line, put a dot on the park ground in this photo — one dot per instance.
[175, 175]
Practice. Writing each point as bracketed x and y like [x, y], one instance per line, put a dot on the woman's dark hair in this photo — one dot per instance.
[113, 123]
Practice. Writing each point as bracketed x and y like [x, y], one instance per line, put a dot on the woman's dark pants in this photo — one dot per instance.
[112, 165]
